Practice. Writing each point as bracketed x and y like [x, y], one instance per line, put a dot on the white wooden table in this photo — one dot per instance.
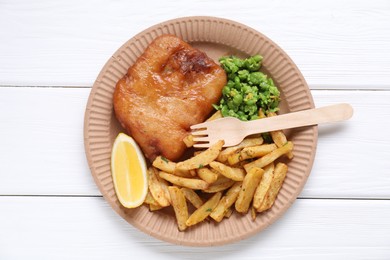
[50, 55]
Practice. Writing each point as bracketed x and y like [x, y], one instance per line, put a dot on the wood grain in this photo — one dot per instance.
[336, 44]
[73, 228]
[42, 150]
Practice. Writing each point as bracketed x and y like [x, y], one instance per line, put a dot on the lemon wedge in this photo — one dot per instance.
[128, 168]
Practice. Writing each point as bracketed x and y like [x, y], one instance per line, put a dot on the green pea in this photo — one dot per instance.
[237, 99]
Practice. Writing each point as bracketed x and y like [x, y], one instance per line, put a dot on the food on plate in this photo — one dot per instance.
[270, 157]
[208, 175]
[247, 89]
[170, 87]
[264, 185]
[202, 159]
[128, 168]
[251, 152]
[179, 206]
[249, 185]
[173, 86]
[236, 174]
[280, 138]
[277, 181]
[204, 211]
[192, 183]
[247, 142]
[226, 202]
[192, 197]
[158, 188]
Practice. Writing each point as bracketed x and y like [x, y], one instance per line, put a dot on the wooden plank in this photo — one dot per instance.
[42, 152]
[71, 228]
[42, 142]
[336, 44]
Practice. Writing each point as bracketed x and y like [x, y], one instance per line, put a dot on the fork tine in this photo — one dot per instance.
[201, 125]
[198, 133]
[202, 145]
[201, 139]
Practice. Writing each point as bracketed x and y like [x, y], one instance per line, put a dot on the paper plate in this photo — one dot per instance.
[217, 37]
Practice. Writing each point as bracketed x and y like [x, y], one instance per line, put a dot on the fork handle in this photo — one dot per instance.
[327, 114]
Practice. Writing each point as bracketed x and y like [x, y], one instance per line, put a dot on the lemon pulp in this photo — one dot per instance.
[129, 172]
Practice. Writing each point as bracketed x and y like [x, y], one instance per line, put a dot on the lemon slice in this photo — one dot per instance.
[128, 169]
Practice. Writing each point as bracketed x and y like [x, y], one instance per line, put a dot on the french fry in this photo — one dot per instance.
[192, 197]
[226, 202]
[263, 186]
[189, 141]
[207, 175]
[179, 205]
[195, 184]
[235, 174]
[204, 211]
[252, 185]
[249, 185]
[269, 158]
[150, 200]
[228, 212]
[253, 213]
[156, 188]
[221, 184]
[214, 116]
[185, 174]
[164, 185]
[168, 166]
[202, 159]
[164, 164]
[153, 207]
[247, 142]
[279, 138]
[277, 181]
[251, 152]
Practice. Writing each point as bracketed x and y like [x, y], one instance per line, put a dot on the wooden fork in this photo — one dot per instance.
[233, 130]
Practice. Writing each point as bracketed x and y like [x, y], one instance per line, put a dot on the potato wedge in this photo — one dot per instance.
[251, 152]
[168, 166]
[195, 184]
[179, 205]
[204, 211]
[221, 184]
[253, 213]
[269, 158]
[249, 185]
[189, 141]
[164, 185]
[153, 207]
[207, 175]
[277, 181]
[235, 174]
[164, 164]
[202, 159]
[247, 142]
[156, 188]
[228, 213]
[226, 202]
[150, 200]
[192, 197]
[263, 186]
[280, 138]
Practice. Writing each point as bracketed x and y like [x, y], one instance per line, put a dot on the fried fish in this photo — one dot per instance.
[170, 87]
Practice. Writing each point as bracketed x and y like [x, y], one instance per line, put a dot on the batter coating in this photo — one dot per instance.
[170, 87]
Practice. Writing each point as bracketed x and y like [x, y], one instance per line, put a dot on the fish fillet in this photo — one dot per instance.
[170, 87]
